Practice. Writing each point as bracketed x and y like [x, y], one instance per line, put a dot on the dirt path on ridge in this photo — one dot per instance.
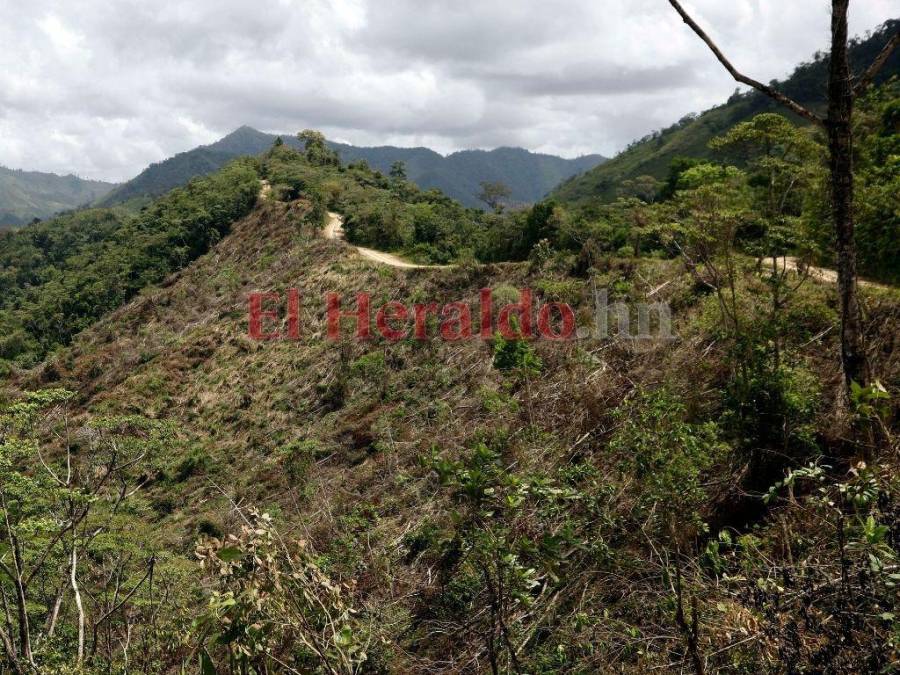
[334, 229]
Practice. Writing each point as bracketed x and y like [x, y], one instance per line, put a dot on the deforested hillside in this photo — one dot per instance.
[464, 500]
[654, 154]
[58, 277]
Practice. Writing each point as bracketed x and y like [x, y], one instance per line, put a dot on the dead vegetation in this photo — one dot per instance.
[492, 521]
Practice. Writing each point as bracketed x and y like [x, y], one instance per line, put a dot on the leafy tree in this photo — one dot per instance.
[62, 539]
[398, 170]
[317, 151]
[779, 157]
[495, 194]
[843, 90]
[645, 188]
[676, 167]
[712, 204]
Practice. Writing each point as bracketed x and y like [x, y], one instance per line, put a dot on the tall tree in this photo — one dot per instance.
[398, 170]
[494, 194]
[843, 89]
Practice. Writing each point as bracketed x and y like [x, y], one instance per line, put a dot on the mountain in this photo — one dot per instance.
[690, 136]
[529, 175]
[26, 195]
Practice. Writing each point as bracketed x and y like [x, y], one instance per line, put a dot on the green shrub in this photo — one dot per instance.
[668, 457]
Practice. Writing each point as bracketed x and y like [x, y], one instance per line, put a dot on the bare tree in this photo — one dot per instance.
[843, 90]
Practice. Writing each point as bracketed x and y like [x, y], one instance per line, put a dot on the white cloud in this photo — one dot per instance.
[102, 89]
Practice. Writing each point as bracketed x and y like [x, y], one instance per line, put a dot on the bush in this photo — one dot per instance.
[668, 457]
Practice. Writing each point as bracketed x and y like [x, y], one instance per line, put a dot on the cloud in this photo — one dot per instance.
[102, 89]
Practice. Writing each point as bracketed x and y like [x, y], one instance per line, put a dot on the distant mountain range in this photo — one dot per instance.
[653, 154]
[530, 176]
[26, 195]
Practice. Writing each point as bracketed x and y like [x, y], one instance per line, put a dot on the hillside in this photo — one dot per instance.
[59, 276]
[26, 195]
[530, 176]
[653, 154]
[616, 504]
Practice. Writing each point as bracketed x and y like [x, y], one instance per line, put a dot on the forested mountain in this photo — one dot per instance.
[26, 195]
[689, 137]
[529, 176]
[59, 276]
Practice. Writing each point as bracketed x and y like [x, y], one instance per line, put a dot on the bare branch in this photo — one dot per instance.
[867, 77]
[151, 564]
[750, 82]
[74, 580]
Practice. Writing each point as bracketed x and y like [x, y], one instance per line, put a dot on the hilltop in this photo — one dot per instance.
[26, 195]
[690, 136]
[530, 176]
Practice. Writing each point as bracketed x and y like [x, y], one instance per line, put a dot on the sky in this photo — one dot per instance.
[103, 88]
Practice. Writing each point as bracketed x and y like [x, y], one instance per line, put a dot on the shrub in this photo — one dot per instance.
[669, 457]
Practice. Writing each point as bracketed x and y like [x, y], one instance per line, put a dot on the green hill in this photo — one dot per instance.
[26, 195]
[530, 176]
[425, 498]
[689, 137]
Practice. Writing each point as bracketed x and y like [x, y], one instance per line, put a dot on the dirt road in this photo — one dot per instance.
[822, 274]
[334, 229]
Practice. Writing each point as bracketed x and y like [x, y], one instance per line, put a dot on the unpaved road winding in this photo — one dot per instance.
[334, 229]
[822, 274]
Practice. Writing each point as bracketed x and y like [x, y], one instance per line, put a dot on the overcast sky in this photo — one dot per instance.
[103, 88]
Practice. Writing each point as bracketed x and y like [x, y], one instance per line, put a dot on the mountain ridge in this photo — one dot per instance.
[26, 195]
[689, 137]
[529, 175]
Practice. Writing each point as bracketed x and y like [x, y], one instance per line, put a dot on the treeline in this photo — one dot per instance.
[59, 276]
[774, 170]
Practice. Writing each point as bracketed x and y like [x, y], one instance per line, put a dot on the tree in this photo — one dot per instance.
[843, 89]
[398, 170]
[59, 513]
[676, 167]
[645, 188]
[317, 151]
[779, 157]
[494, 194]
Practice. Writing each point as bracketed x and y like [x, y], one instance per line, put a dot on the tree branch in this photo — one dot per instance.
[121, 604]
[10, 651]
[759, 86]
[865, 81]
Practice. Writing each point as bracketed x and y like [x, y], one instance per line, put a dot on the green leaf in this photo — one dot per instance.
[345, 638]
[229, 554]
[207, 667]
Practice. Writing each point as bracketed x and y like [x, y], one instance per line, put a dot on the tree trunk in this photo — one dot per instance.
[840, 145]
